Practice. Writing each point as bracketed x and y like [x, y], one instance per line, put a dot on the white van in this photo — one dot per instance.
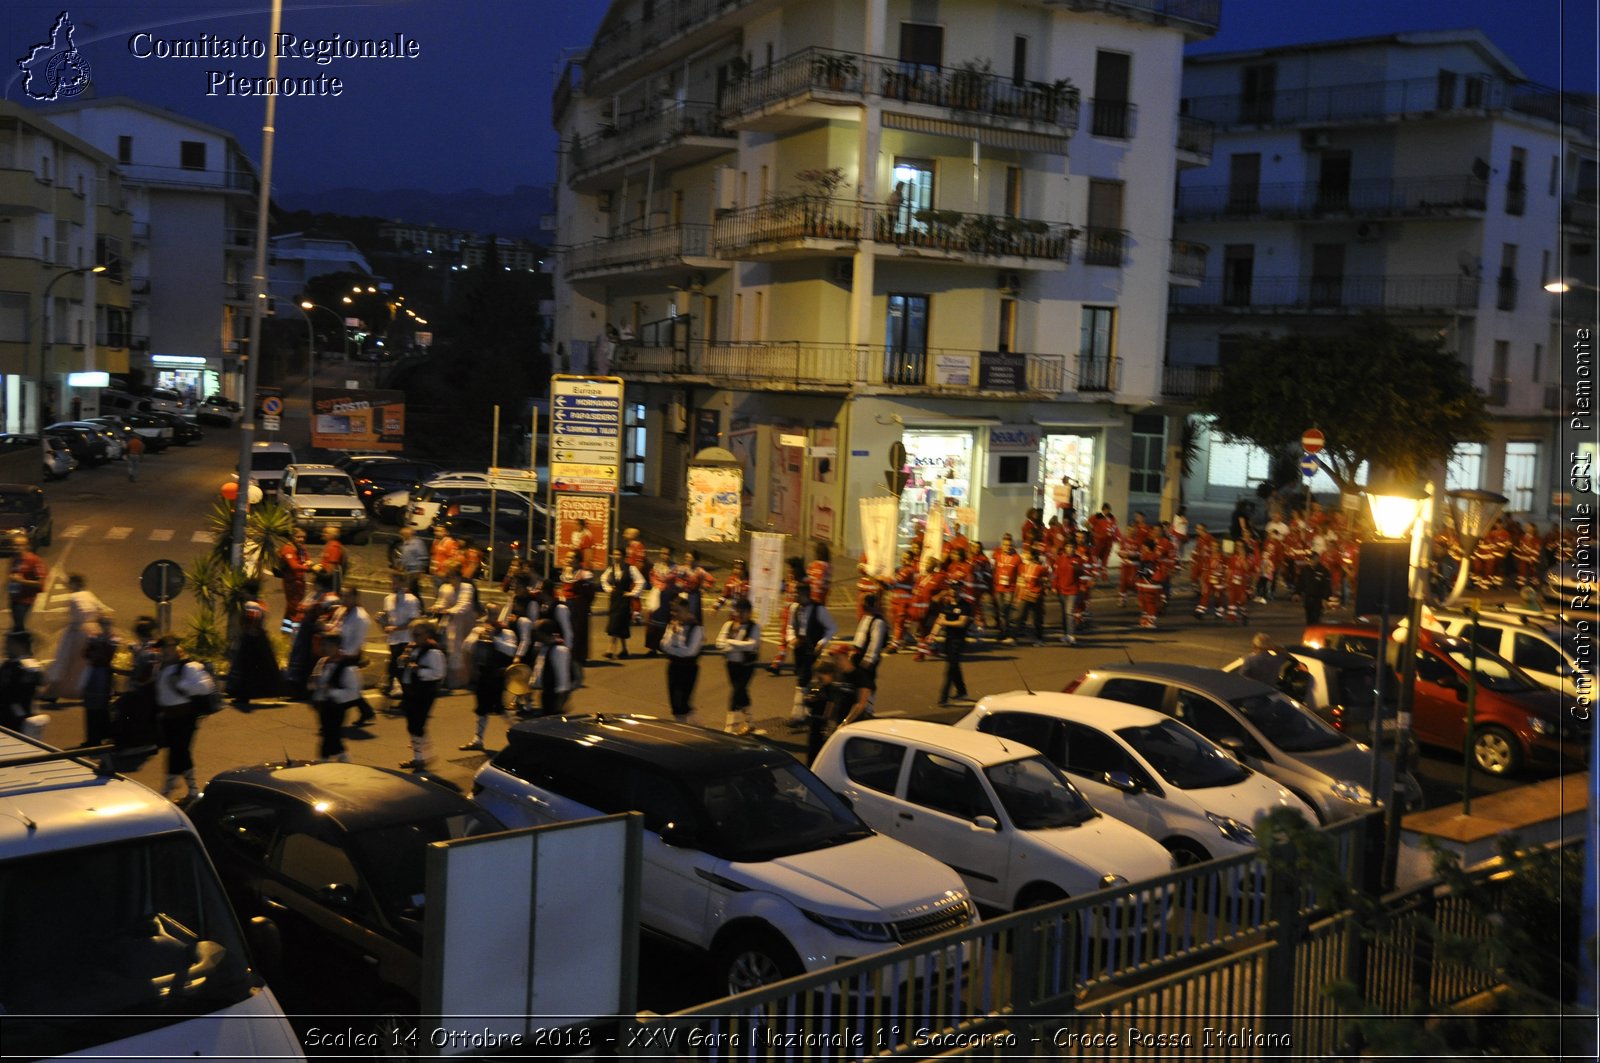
[117, 938]
[268, 460]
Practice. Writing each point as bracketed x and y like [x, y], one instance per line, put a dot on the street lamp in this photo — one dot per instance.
[344, 333]
[1472, 514]
[311, 342]
[45, 339]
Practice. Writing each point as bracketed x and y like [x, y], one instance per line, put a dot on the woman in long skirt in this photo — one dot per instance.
[253, 671]
[84, 610]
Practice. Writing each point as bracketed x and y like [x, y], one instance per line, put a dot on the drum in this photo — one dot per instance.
[517, 679]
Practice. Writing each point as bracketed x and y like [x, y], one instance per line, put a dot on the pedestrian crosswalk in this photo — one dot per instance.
[121, 533]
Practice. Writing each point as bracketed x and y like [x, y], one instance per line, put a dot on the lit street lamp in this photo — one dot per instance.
[46, 339]
[344, 331]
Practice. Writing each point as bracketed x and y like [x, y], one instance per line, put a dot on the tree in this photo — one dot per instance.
[1380, 393]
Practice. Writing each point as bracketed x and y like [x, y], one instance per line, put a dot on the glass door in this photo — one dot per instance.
[905, 344]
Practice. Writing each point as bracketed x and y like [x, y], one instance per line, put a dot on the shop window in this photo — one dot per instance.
[1012, 468]
[939, 467]
[1147, 462]
[1236, 464]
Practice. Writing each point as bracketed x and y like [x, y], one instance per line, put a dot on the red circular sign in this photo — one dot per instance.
[1312, 441]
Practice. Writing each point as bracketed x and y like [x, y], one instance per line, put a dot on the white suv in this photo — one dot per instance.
[997, 812]
[1538, 643]
[747, 855]
[1144, 768]
[321, 496]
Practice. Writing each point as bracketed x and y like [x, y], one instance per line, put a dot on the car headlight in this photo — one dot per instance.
[1107, 881]
[1351, 791]
[1232, 829]
[1541, 726]
[860, 929]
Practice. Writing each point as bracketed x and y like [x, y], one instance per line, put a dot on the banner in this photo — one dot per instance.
[879, 516]
[932, 537]
[766, 580]
[714, 508]
[358, 419]
[583, 523]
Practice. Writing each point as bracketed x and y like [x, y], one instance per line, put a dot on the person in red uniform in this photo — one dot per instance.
[794, 587]
[1128, 546]
[929, 582]
[735, 587]
[1032, 527]
[979, 585]
[662, 590]
[1242, 568]
[333, 559]
[819, 574]
[1204, 569]
[293, 564]
[633, 555]
[1006, 563]
[1031, 583]
[1205, 546]
[1150, 577]
[867, 586]
[1103, 527]
[900, 587]
[1529, 550]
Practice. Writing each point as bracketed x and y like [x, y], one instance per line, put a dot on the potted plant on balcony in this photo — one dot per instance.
[816, 197]
[981, 233]
[968, 83]
[1055, 96]
[834, 69]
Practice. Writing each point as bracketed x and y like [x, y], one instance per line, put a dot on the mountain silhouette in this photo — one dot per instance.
[518, 214]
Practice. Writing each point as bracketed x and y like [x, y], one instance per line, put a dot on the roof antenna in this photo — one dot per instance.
[1025, 684]
[1129, 656]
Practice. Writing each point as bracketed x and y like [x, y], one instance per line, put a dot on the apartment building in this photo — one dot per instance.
[456, 247]
[808, 232]
[193, 194]
[1420, 176]
[63, 215]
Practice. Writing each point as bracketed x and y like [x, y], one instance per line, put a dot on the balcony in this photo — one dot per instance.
[1188, 265]
[971, 102]
[1516, 199]
[1409, 197]
[1197, 18]
[683, 133]
[140, 285]
[1505, 292]
[653, 249]
[674, 28]
[1111, 119]
[1015, 243]
[140, 231]
[792, 227]
[1443, 293]
[183, 177]
[1579, 214]
[1105, 247]
[238, 239]
[1499, 391]
[1189, 381]
[1196, 140]
[1369, 101]
[21, 192]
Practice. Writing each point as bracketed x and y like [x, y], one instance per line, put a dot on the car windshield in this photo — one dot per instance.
[776, 810]
[1494, 673]
[17, 504]
[325, 485]
[1037, 796]
[271, 461]
[107, 942]
[1182, 757]
[1285, 724]
[1358, 688]
[394, 858]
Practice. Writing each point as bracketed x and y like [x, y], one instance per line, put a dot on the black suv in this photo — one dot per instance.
[335, 855]
[378, 474]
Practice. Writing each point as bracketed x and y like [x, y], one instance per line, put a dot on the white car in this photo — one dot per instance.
[747, 855]
[998, 812]
[440, 499]
[1144, 768]
[1538, 643]
[395, 507]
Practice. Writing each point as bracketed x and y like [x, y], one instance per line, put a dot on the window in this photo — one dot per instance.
[1517, 182]
[113, 331]
[1236, 464]
[921, 46]
[1141, 692]
[1013, 469]
[874, 764]
[1521, 476]
[1538, 361]
[905, 341]
[14, 317]
[249, 827]
[1093, 755]
[1499, 381]
[1445, 94]
[913, 179]
[1213, 721]
[1238, 274]
[108, 253]
[634, 449]
[1244, 182]
[1007, 339]
[947, 786]
[1327, 275]
[1147, 465]
[1096, 348]
[1039, 732]
[124, 149]
[1103, 241]
[661, 801]
[192, 154]
[1536, 655]
[315, 863]
[1112, 111]
[1013, 191]
[1555, 174]
[1258, 85]
[1464, 472]
[1019, 60]
[1431, 669]
[1333, 181]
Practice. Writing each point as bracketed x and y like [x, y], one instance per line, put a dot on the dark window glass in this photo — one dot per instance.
[1135, 692]
[947, 786]
[873, 764]
[1039, 732]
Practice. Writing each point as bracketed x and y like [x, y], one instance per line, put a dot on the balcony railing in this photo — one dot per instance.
[1371, 196]
[1189, 381]
[226, 180]
[1499, 391]
[1516, 198]
[967, 92]
[971, 234]
[140, 285]
[1370, 100]
[786, 222]
[1197, 15]
[1425, 292]
[1112, 119]
[1188, 260]
[239, 238]
[1196, 136]
[1105, 247]
[1506, 293]
[1580, 213]
[1096, 374]
[623, 41]
[642, 250]
[642, 131]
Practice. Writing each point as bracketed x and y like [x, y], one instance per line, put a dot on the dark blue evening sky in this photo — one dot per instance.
[472, 110]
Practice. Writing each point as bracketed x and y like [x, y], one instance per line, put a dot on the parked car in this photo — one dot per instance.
[268, 460]
[24, 511]
[185, 432]
[436, 501]
[335, 854]
[378, 474]
[321, 496]
[1563, 588]
[214, 409]
[122, 402]
[997, 812]
[1341, 688]
[1538, 643]
[395, 506]
[167, 400]
[1144, 768]
[90, 443]
[746, 853]
[156, 435]
[507, 540]
[117, 935]
[56, 459]
[1517, 721]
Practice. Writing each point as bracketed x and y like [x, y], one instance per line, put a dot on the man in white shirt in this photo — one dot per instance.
[740, 643]
[351, 624]
[682, 644]
[179, 684]
[400, 608]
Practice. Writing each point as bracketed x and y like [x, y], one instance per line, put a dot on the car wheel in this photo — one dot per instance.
[1186, 852]
[1036, 894]
[754, 958]
[1495, 750]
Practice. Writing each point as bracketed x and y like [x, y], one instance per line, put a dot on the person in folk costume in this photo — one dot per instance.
[811, 628]
[1064, 578]
[1006, 563]
[422, 669]
[865, 651]
[401, 608]
[1528, 553]
[446, 552]
[900, 587]
[517, 617]
[740, 643]
[456, 606]
[1032, 577]
[344, 636]
[552, 670]
[663, 588]
[253, 671]
[64, 677]
[580, 586]
[294, 564]
[819, 574]
[335, 690]
[693, 581]
[494, 648]
[979, 586]
[1153, 570]
[1242, 567]
[633, 555]
[623, 583]
[182, 688]
[682, 644]
[1103, 527]
[559, 612]
[21, 676]
[735, 587]
[923, 595]
[99, 681]
[794, 591]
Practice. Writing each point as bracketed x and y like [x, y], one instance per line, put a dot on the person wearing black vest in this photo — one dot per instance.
[740, 642]
[872, 634]
[624, 583]
[422, 668]
[682, 644]
[552, 672]
[953, 621]
[810, 628]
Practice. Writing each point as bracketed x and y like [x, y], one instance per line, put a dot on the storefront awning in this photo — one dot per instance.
[1079, 424]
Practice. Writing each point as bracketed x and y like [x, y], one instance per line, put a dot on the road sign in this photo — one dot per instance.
[1308, 466]
[1313, 440]
[272, 405]
[161, 580]
[585, 427]
[270, 423]
[513, 479]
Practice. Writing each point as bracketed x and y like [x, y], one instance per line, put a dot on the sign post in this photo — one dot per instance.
[161, 582]
[586, 422]
[1312, 442]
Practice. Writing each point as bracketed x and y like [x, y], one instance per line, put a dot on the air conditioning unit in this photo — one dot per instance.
[842, 271]
[1369, 232]
[1010, 283]
[1314, 140]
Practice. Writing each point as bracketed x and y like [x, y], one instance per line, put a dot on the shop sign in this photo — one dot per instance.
[1013, 439]
[951, 370]
[999, 371]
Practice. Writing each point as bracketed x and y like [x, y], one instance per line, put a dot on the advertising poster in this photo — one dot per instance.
[713, 515]
[583, 522]
[766, 580]
[951, 370]
[879, 517]
[358, 419]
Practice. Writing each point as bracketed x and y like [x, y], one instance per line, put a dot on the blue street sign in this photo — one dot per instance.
[587, 402]
[1308, 466]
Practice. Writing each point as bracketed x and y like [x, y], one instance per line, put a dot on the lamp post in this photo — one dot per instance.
[344, 332]
[1472, 513]
[45, 339]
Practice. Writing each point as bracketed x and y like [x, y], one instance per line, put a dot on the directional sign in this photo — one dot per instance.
[1313, 440]
[272, 405]
[1308, 466]
[514, 479]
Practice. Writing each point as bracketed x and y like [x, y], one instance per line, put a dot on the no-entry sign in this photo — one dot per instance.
[1312, 441]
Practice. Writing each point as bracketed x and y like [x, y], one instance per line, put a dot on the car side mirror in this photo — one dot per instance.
[1235, 745]
[844, 799]
[266, 943]
[679, 835]
[1121, 780]
[339, 895]
[986, 823]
